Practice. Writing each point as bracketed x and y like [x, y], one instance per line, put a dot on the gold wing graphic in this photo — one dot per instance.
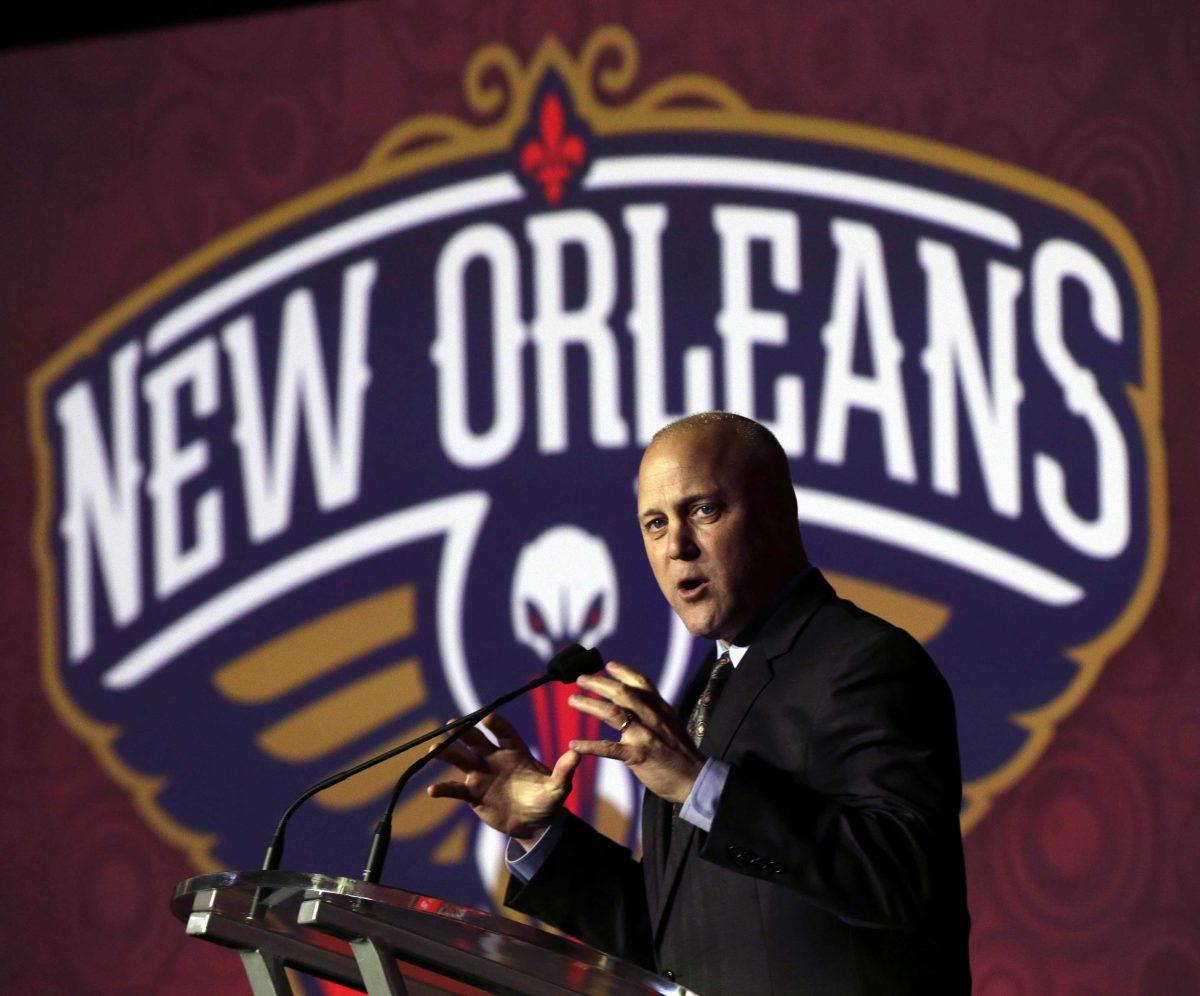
[330, 722]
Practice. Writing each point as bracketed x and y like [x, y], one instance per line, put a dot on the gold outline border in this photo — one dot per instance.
[496, 85]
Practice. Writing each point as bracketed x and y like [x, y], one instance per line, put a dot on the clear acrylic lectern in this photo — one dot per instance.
[388, 942]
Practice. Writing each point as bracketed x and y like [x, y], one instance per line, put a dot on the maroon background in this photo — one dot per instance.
[121, 156]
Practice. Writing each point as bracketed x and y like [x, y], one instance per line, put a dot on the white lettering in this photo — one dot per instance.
[173, 465]
[1108, 533]
[742, 326]
[301, 391]
[492, 245]
[100, 502]
[645, 223]
[861, 277]
[554, 326]
[952, 361]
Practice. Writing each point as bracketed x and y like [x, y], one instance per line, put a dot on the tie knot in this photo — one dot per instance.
[720, 670]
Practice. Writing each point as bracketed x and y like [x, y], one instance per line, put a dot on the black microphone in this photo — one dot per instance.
[572, 662]
[565, 666]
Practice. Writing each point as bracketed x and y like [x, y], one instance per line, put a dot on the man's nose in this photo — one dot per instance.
[681, 545]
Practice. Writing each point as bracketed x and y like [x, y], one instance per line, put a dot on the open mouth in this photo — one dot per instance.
[692, 588]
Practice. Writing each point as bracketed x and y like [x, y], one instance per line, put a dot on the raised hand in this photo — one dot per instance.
[654, 742]
[506, 786]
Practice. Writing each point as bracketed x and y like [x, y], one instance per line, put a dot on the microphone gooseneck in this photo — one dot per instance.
[565, 666]
[572, 661]
[275, 848]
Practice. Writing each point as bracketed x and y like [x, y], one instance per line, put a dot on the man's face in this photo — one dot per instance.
[714, 549]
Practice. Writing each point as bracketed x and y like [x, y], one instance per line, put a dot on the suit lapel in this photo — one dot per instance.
[747, 682]
[749, 678]
[756, 669]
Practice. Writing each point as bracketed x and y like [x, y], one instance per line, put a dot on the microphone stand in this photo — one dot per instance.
[383, 829]
[566, 666]
[275, 848]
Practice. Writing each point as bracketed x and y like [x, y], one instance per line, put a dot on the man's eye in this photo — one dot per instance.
[706, 509]
[655, 524]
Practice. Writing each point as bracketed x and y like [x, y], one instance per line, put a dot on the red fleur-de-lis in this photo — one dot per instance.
[552, 159]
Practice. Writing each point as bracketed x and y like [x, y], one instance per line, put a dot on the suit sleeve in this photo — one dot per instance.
[591, 888]
[858, 824]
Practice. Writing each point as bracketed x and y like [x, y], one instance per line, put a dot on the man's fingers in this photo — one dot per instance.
[628, 676]
[613, 715]
[464, 760]
[617, 692]
[564, 768]
[480, 744]
[602, 748]
[506, 734]
[450, 790]
[600, 685]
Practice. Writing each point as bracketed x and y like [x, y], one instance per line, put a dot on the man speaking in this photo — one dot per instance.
[800, 823]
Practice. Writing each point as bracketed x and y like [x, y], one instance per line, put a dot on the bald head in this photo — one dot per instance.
[752, 445]
[718, 518]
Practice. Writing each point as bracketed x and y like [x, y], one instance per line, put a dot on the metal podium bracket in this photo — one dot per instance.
[264, 954]
[380, 973]
[266, 974]
[390, 942]
[336, 919]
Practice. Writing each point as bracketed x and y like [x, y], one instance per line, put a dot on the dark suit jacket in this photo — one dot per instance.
[834, 863]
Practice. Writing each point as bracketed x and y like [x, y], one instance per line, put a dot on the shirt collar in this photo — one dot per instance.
[735, 652]
[738, 651]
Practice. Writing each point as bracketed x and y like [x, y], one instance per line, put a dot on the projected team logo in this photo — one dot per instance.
[367, 461]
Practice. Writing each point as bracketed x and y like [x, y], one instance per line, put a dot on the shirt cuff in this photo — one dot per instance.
[525, 864]
[700, 806]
